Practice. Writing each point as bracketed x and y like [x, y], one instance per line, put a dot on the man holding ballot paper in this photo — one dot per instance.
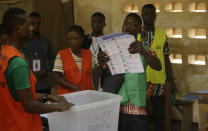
[118, 60]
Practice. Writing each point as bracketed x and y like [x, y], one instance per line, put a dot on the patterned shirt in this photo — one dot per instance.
[154, 89]
[133, 110]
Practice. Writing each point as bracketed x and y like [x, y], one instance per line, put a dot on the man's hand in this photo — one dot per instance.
[151, 60]
[62, 103]
[77, 88]
[63, 106]
[36, 106]
[136, 47]
[102, 59]
[57, 99]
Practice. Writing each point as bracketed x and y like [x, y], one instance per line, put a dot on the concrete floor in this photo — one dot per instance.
[176, 126]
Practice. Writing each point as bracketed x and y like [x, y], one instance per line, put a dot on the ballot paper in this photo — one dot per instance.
[116, 47]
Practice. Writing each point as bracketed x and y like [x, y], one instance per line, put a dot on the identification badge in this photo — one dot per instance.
[36, 65]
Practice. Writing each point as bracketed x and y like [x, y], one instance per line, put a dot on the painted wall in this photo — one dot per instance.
[188, 77]
[83, 9]
[56, 17]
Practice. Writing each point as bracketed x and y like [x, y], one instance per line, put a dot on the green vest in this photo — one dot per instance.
[134, 86]
[158, 77]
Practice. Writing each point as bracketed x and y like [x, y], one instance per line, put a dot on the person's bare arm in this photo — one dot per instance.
[63, 82]
[34, 106]
[169, 73]
[51, 98]
[152, 61]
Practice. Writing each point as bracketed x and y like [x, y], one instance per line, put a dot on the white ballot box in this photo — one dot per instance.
[93, 111]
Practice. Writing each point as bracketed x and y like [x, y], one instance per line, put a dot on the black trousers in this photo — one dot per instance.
[132, 122]
[158, 110]
[112, 83]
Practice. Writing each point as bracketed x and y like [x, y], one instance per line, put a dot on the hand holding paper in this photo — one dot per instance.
[116, 47]
[136, 47]
[102, 59]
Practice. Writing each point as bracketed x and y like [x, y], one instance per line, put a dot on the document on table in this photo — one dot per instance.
[116, 47]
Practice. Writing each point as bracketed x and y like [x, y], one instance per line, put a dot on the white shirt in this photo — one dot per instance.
[94, 48]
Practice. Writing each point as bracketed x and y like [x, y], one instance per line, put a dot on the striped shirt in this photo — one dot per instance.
[58, 65]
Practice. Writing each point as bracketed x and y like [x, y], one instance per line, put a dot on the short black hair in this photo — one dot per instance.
[2, 30]
[136, 16]
[12, 17]
[98, 14]
[34, 14]
[77, 29]
[148, 6]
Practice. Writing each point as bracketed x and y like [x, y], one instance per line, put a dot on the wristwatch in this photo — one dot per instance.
[44, 99]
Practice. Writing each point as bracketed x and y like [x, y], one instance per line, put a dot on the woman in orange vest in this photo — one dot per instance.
[73, 65]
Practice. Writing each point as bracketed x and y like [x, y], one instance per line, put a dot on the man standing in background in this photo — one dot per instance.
[156, 39]
[97, 24]
[40, 53]
[90, 42]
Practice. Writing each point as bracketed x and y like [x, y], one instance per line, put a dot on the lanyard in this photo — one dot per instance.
[95, 50]
[35, 43]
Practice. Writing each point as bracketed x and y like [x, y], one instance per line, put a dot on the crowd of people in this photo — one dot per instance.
[27, 58]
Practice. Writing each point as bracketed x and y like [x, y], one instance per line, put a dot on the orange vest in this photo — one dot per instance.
[82, 79]
[13, 117]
